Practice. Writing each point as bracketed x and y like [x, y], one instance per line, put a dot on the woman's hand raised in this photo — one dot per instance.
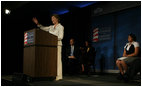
[35, 20]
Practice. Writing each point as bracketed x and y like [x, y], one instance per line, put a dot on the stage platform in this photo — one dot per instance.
[77, 80]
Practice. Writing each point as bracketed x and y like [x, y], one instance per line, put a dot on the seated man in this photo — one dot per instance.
[130, 54]
[72, 53]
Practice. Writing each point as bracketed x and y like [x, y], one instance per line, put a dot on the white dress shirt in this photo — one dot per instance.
[57, 31]
[72, 50]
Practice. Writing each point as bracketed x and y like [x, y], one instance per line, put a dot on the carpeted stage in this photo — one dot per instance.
[78, 80]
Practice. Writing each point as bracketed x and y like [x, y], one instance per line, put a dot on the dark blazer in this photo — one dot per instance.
[76, 52]
[89, 57]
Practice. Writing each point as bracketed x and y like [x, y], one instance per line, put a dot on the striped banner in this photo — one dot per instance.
[25, 38]
[95, 35]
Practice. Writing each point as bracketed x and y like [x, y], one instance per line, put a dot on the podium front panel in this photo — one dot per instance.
[29, 61]
[40, 53]
[46, 61]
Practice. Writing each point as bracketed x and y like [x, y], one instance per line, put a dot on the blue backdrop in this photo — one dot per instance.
[122, 23]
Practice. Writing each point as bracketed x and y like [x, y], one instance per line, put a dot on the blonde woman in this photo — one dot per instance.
[58, 30]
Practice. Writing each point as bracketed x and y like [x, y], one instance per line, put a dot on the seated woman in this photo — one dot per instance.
[87, 58]
[130, 54]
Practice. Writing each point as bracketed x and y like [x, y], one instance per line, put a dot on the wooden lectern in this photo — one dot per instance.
[40, 53]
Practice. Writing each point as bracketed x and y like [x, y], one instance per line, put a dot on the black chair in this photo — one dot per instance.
[133, 69]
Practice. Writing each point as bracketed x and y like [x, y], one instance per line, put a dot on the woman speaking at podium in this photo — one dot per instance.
[58, 30]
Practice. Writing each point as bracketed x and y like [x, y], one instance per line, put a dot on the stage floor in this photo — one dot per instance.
[82, 80]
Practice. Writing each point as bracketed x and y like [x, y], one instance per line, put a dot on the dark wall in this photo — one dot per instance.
[13, 27]
[76, 25]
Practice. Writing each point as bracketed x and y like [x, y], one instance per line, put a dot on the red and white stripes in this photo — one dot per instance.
[95, 35]
[25, 38]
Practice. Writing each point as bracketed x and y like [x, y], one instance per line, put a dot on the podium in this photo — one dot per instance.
[40, 53]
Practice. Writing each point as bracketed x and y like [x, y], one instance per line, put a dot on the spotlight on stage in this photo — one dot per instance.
[7, 11]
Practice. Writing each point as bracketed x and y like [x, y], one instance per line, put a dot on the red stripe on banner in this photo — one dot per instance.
[25, 34]
[96, 31]
[95, 35]
[25, 43]
[95, 40]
